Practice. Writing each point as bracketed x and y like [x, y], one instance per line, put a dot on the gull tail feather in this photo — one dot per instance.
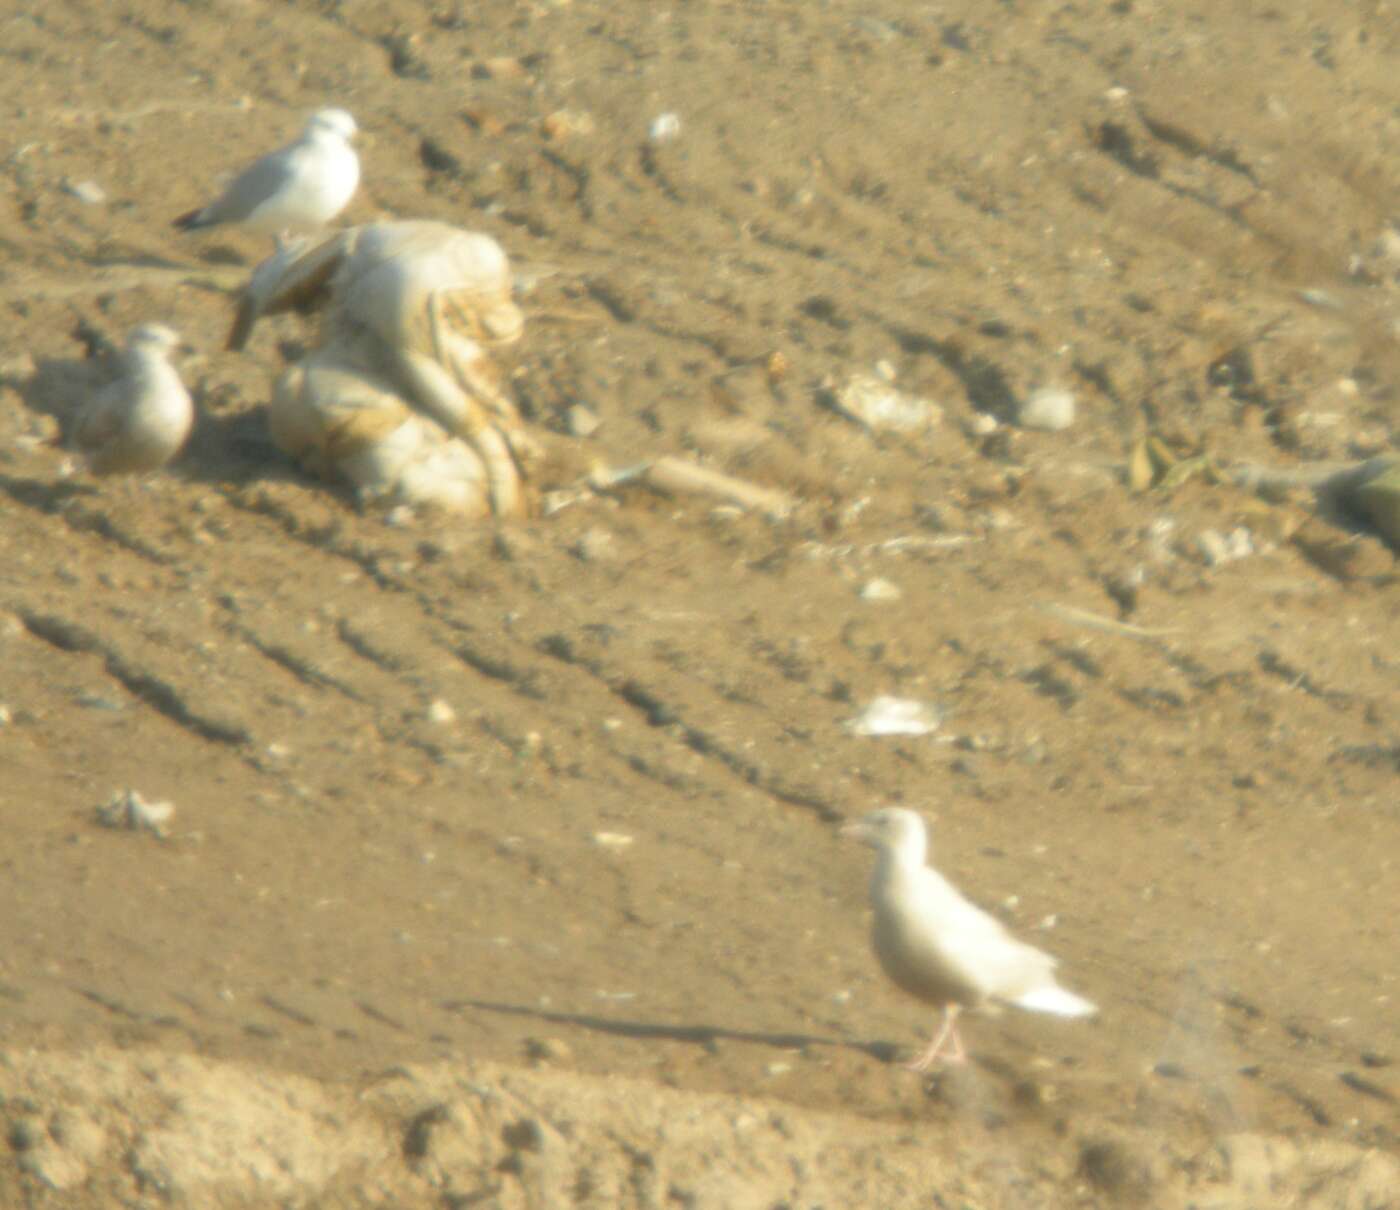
[1054, 999]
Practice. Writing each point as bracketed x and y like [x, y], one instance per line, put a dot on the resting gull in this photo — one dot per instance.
[936, 945]
[295, 189]
[139, 421]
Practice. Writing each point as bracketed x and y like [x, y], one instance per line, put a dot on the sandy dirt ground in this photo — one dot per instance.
[504, 867]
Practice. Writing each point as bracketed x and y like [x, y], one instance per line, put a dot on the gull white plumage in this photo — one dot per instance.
[936, 945]
[139, 421]
[295, 189]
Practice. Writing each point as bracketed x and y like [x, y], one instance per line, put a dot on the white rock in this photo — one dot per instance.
[869, 399]
[664, 127]
[1239, 542]
[612, 840]
[896, 716]
[127, 809]
[1049, 408]
[1217, 549]
[581, 421]
[880, 590]
[90, 193]
[1212, 547]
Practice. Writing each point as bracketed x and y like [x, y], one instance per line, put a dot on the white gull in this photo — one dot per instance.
[295, 189]
[138, 422]
[936, 945]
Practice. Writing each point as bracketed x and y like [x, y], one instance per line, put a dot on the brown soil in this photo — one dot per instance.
[1195, 810]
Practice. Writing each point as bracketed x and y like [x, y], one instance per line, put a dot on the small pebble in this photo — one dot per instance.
[548, 1050]
[595, 545]
[96, 701]
[90, 193]
[880, 590]
[1240, 542]
[567, 123]
[1218, 549]
[127, 809]
[1050, 409]
[612, 840]
[869, 399]
[896, 716]
[503, 67]
[582, 421]
[441, 712]
[664, 127]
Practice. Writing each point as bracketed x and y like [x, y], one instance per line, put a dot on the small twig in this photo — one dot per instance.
[676, 477]
[1082, 617]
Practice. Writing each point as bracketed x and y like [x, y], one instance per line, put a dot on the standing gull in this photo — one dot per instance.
[295, 189]
[139, 421]
[936, 945]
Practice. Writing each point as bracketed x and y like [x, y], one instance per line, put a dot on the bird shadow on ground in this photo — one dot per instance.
[700, 1035]
[59, 385]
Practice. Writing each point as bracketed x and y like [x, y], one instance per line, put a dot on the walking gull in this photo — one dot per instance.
[139, 421]
[936, 945]
[297, 188]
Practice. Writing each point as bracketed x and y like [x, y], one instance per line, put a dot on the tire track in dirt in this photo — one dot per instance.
[515, 665]
[68, 636]
[632, 692]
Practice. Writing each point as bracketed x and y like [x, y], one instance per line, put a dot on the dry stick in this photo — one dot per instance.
[675, 476]
[1082, 617]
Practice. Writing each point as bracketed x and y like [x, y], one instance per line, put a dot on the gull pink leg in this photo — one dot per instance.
[948, 1034]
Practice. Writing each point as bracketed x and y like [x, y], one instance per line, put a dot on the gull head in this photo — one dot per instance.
[152, 338]
[337, 122]
[891, 830]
